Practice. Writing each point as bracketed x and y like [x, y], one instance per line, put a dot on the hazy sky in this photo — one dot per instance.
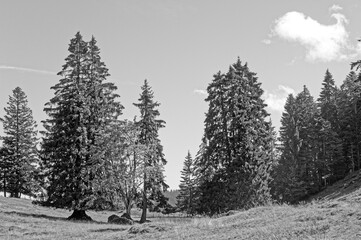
[178, 45]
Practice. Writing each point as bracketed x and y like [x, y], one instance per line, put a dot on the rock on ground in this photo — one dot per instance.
[115, 219]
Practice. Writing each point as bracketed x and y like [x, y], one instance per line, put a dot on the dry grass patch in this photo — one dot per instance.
[326, 219]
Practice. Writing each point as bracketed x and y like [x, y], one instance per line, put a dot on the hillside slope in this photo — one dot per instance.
[347, 189]
[334, 213]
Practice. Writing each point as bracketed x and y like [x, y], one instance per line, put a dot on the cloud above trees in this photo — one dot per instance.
[6, 67]
[322, 42]
[277, 99]
[335, 8]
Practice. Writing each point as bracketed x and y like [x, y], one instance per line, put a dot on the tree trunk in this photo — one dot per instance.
[128, 207]
[17, 189]
[4, 184]
[190, 204]
[14, 194]
[352, 158]
[79, 215]
[144, 209]
[357, 141]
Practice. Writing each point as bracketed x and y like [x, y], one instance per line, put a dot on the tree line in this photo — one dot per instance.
[88, 157]
[241, 162]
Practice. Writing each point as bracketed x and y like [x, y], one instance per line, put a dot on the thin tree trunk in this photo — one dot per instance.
[129, 207]
[127, 200]
[352, 158]
[4, 184]
[144, 208]
[357, 140]
[17, 193]
[357, 148]
[131, 194]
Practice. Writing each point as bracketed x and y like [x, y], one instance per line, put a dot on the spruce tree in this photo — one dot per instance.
[83, 106]
[349, 110]
[327, 100]
[306, 110]
[239, 143]
[185, 199]
[19, 153]
[203, 176]
[355, 99]
[5, 167]
[285, 173]
[329, 139]
[303, 160]
[149, 125]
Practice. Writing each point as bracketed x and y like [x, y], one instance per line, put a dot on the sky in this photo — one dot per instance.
[177, 45]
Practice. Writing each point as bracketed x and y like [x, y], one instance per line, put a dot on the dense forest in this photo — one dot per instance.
[88, 157]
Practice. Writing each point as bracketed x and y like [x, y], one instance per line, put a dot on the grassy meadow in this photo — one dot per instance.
[334, 214]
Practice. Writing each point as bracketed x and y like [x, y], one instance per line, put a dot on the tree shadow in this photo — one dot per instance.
[22, 214]
[108, 230]
[340, 190]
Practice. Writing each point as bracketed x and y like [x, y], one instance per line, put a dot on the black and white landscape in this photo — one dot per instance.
[174, 119]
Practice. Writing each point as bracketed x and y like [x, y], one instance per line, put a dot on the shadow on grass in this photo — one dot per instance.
[108, 230]
[338, 191]
[22, 214]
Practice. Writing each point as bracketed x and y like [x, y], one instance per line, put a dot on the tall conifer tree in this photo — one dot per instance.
[349, 110]
[19, 159]
[334, 165]
[327, 100]
[285, 173]
[306, 110]
[5, 169]
[302, 162]
[149, 125]
[83, 105]
[239, 143]
[186, 197]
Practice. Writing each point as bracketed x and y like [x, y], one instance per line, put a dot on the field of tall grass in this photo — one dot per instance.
[333, 214]
[331, 219]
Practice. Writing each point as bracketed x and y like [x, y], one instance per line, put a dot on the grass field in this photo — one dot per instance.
[336, 215]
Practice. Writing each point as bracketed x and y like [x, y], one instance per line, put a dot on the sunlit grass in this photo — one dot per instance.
[331, 219]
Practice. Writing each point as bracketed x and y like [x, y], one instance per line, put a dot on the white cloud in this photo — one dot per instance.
[200, 91]
[27, 70]
[276, 100]
[335, 8]
[323, 42]
[266, 41]
[286, 89]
